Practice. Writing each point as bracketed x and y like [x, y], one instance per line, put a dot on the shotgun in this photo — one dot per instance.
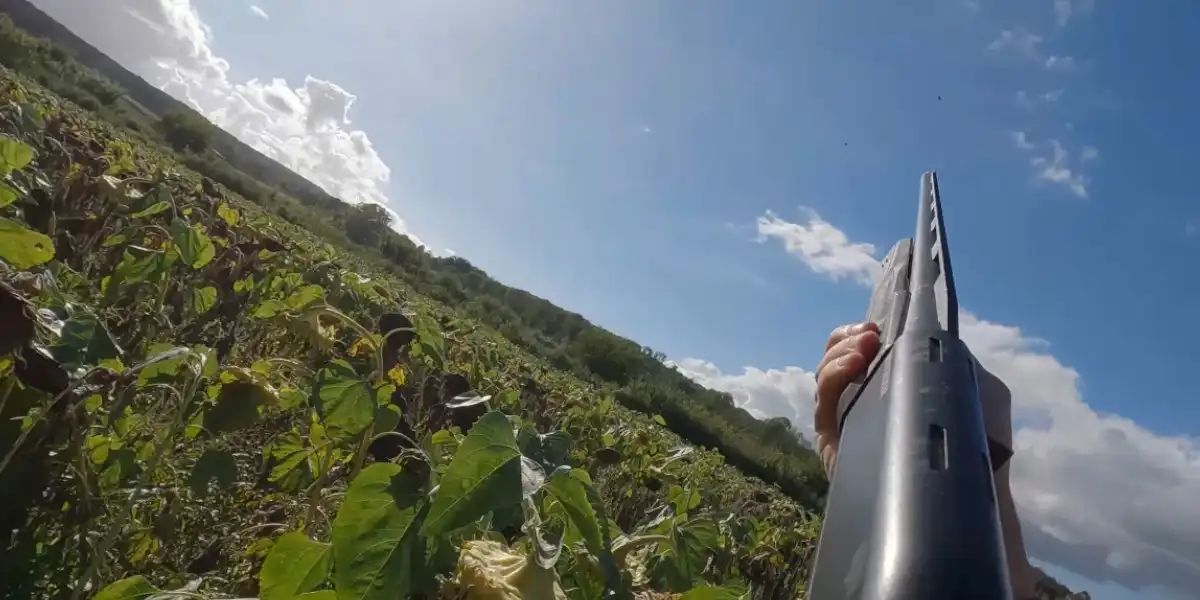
[911, 512]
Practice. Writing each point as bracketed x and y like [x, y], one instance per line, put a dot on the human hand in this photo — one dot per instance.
[849, 351]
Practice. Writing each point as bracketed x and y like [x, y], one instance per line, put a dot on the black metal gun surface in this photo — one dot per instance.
[911, 512]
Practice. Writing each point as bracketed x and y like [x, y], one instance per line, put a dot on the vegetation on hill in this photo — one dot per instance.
[770, 450]
[260, 390]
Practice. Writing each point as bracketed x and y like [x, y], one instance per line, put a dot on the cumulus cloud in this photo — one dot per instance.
[1053, 164]
[259, 12]
[1098, 493]
[786, 392]
[821, 246]
[306, 127]
[1019, 41]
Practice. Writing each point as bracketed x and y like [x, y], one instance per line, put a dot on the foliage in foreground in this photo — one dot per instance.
[196, 397]
[637, 376]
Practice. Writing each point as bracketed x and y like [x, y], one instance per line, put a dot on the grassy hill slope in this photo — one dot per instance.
[770, 450]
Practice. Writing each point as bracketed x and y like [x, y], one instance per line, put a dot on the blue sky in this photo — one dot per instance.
[646, 165]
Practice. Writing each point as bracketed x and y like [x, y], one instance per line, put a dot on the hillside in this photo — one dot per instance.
[213, 367]
[768, 450]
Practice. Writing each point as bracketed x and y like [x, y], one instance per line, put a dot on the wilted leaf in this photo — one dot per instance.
[485, 472]
[85, 340]
[14, 154]
[23, 248]
[344, 400]
[36, 368]
[377, 552]
[203, 299]
[237, 407]
[130, 588]
[213, 465]
[138, 264]
[194, 247]
[295, 565]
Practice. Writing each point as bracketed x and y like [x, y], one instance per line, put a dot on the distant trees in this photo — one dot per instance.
[366, 223]
[186, 131]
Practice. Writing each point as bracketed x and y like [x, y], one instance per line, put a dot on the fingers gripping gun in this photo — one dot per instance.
[912, 509]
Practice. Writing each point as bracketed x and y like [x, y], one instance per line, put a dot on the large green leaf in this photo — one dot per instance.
[377, 552]
[8, 195]
[237, 407]
[138, 264]
[23, 248]
[213, 465]
[571, 489]
[202, 299]
[85, 340]
[295, 565]
[485, 473]
[14, 154]
[130, 588]
[710, 592]
[194, 247]
[344, 400]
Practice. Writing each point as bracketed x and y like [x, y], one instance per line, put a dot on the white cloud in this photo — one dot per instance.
[1061, 63]
[786, 392]
[1020, 41]
[306, 128]
[259, 12]
[1098, 493]
[821, 246]
[1064, 10]
[1054, 167]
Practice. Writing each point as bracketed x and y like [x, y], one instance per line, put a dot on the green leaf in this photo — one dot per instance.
[14, 154]
[387, 417]
[660, 420]
[485, 472]
[203, 299]
[163, 364]
[291, 461]
[23, 248]
[710, 592]
[194, 247]
[237, 407]
[138, 264]
[213, 465]
[343, 400]
[153, 209]
[571, 489]
[377, 552]
[85, 340]
[130, 588]
[269, 308]
[304, 296]
[229, 214]
[7, 194]
[295, 565]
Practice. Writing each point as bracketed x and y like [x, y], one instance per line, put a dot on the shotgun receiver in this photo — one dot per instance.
[912, 512]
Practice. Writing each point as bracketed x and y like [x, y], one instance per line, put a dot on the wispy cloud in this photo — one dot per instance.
[1061, 63]
[821, 246]
[259, 12]
[1053, 166]
[1065, 10]
[1019, 41]
[1029, 102]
